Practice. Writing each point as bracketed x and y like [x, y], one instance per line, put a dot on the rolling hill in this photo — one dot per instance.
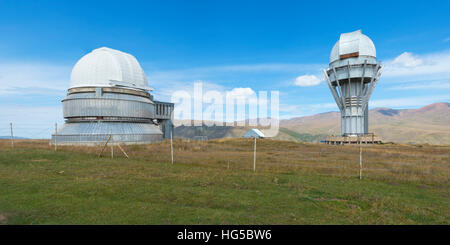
[429, 124]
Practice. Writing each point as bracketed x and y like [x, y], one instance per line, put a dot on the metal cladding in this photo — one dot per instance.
[120, 105]
[108, 95]
[91, 133]
[352, 75]
[104, 67]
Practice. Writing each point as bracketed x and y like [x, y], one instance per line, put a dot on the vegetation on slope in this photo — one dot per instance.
[213, 183]
[428, 124]
[304, 137]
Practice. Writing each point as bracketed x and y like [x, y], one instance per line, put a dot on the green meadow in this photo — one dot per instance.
[213, 182]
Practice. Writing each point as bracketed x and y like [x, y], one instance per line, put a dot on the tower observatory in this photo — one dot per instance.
[352, 75]
[109, 95]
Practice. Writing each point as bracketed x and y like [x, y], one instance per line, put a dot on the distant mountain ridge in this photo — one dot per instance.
[9, 137]
[428, 124]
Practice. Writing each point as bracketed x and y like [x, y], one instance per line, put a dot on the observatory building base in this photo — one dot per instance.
[345, 140]
[95, 133]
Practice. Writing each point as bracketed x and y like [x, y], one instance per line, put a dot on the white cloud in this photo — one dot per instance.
[33, 78]
[307, 80]
[241, 93]
[407, 59]
[427, 66]
[422, 85]
[410, 71]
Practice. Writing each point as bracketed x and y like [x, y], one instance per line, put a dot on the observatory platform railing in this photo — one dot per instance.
[369, 138]
[163, 110]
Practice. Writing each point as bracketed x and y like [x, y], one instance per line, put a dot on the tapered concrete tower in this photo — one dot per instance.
[352, 75]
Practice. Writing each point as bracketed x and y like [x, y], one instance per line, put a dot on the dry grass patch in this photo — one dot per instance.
[212, 182]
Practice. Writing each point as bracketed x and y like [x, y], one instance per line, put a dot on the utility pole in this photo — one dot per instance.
[171, 144]
[360, 158]
[12, 135]
[112, 145]
[254, 158]
[56, 130]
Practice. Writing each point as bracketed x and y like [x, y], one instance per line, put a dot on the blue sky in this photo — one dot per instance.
[261, 45]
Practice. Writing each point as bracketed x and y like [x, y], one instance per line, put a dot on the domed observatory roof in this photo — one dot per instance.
[105, 67]
[352, 44]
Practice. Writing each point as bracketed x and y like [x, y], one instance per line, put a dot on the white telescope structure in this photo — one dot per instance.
[109, 97]
[352, 75]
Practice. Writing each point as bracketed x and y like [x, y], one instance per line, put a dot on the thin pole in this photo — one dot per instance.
[254, 158]
[112, 146]
[171, 145]
[360, 159]
[56, 131]
[12, 135]
[350, 95]
[104, 147]
[123, 151]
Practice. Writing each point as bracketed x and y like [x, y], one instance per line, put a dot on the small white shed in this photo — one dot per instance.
[254, 133]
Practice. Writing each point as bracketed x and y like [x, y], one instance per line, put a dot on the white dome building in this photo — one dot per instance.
[352, 43]
[105, 67]
[352, 75]
[108, 94]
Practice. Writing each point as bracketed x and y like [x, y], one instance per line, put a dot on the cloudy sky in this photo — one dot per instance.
[227, 45]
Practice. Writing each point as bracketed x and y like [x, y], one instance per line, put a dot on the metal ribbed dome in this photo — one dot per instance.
[105, 67]
[352, 43]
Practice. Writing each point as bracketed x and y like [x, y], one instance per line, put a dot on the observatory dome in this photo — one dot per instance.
[352, 44]
[105, 67]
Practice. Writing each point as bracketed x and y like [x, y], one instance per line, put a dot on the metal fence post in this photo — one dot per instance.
[254, 158]
[112, 145]
[360, 159]
[171, 145]
[12, 135]
[56, 131]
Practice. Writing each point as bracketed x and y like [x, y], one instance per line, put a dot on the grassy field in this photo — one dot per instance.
[213, 183]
